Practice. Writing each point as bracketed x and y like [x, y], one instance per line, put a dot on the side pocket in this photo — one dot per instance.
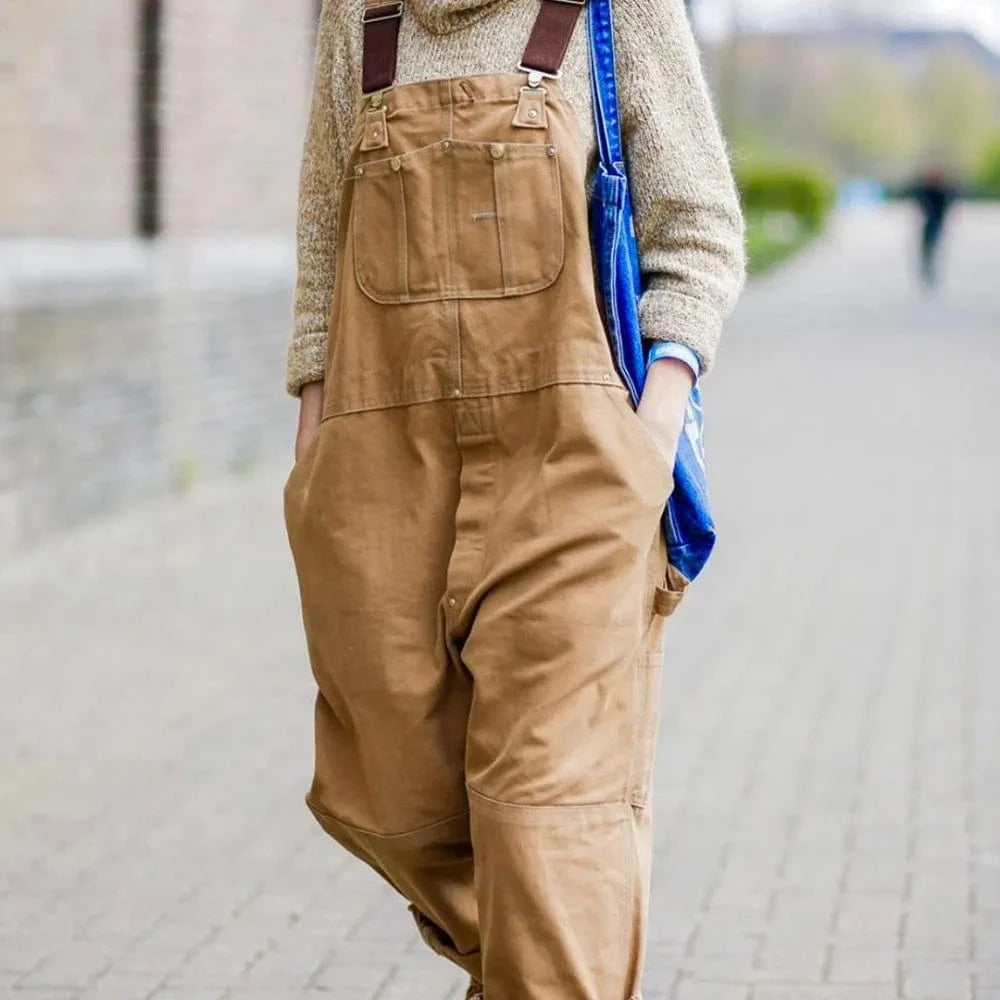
[655, 457]
[295, 490]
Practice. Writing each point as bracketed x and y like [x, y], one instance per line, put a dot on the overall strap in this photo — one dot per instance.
[381, 44]
[547, 46]
[550, 38]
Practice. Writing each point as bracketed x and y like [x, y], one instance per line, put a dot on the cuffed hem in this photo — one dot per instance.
[305, 361]
[684, 320]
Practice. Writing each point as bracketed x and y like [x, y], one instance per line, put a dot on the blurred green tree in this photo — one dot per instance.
[960, 112]
[872, 116]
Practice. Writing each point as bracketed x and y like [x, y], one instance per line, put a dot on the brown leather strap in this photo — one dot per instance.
[381, 44]
[552, 34]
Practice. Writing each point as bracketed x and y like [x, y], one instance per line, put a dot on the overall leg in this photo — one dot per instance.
[565, 654]
[370, 511]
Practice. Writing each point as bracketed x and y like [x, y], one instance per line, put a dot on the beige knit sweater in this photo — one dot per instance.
[687, 213]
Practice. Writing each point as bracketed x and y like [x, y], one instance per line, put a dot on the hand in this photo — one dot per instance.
[664, 404]
[310, 416]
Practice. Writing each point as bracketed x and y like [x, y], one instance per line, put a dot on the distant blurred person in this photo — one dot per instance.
[934, 195]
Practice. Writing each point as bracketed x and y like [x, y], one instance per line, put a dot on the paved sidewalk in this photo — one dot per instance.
[828, 788]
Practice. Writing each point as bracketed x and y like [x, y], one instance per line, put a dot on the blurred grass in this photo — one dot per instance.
[988, 175]
[786, 204]
[772, 239]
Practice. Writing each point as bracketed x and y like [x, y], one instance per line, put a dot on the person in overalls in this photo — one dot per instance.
[474, 510]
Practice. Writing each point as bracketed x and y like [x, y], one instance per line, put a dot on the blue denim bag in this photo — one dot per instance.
[687, 519]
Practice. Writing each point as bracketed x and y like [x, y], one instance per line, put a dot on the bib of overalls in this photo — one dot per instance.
[465, 265]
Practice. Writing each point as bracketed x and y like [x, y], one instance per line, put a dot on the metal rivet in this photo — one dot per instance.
[359, 170]
[452, 602]
[607, 378]
[457, 393]
[533, 113]
[394, 163]
[551, 151]
[497, 150]
[446, 144]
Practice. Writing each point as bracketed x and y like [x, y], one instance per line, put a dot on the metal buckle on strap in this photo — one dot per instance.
[373, 15]
[535, 76]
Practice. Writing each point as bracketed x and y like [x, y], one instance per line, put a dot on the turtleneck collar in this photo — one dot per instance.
[444, 16]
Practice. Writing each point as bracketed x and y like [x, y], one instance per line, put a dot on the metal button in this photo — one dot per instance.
[497, 150]
[452, 602]
[394, 163]
[551, 151]
[533, 113]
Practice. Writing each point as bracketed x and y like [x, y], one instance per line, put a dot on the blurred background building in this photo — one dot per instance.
[148, 168]
[147, 195]
[863, 97]
[859, 87]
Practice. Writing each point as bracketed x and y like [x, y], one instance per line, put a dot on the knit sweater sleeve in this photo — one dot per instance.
[688, 219]
[320, 184]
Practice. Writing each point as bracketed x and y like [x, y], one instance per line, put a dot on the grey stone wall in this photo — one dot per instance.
[160, 368]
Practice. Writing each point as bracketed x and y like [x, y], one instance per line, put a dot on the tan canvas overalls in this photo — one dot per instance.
[476, 534]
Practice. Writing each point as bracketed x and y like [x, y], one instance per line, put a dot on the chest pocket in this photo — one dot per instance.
[458, 220]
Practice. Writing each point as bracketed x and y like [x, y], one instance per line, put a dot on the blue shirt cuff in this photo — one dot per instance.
[669, 349]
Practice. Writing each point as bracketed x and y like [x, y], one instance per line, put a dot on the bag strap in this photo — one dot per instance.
[604, 85]
[551, 35]
[381, 22]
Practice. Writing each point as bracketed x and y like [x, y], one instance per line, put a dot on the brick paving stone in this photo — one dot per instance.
[717, 968]
[869, 919]
[42, 993]
[170, 993]
[805, 991]
[425, 984]
[937, 932]
[711, 991]
[68, 964]
[825, 789]
[935, 980]
[802, 960]
[878, 872]
[118, 985]
[855, 964]
[986, 928]
[347, 974]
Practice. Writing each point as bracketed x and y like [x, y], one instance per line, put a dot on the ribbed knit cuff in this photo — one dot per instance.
[685, 320]
[305, 361]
